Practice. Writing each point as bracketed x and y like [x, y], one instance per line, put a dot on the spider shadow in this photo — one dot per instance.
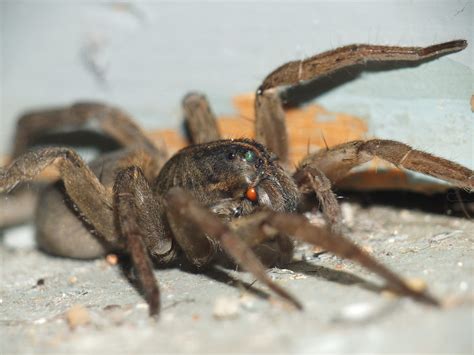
[77, 139]
[216, 272]
[453, 202]
[221, 272]
[339, 276]
[294, 96]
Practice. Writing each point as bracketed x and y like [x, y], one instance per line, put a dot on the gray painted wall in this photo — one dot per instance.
[145, 55]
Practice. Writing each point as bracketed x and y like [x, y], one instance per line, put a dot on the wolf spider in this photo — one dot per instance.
[215, 198]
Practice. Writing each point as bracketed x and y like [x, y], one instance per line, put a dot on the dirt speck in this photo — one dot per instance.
[77, 316]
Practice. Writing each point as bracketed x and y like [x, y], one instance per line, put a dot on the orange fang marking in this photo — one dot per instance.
[251, 194]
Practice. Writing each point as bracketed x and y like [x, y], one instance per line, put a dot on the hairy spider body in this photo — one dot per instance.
[219, 174]
[216, 197]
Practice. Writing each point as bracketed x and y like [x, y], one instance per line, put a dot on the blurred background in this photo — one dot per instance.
[145, 55]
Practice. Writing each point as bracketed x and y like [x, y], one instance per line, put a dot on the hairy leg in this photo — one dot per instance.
[337, 161]
[142, 223]
[270, 123]
[292, 73]
[92, 199]
[184, 208]
[199, 118]
[268, 224]
[311, 179]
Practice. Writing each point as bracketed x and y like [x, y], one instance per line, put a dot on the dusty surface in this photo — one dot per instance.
[57, 305]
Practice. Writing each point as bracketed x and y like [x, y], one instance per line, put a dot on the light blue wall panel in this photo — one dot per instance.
[144, 56]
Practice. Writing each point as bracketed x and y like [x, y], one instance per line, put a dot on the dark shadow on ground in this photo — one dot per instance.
[454, 202]
[338, 276]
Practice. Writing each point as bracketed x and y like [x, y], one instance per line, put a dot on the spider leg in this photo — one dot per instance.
[113, 121]
[85, 190]
[268, 224]
[270, 124]
[199, 119]
[310, 178]
[142, 223]
[337, 161]
[183, 207]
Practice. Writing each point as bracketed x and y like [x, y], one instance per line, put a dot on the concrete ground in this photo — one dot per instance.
[54, 305]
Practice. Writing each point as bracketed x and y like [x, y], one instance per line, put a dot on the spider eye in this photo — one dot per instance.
[249, 156]
[231, 156]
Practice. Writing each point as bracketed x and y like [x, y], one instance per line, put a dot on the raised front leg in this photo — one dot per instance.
[294, 72]
[337, 161]
[270, 123]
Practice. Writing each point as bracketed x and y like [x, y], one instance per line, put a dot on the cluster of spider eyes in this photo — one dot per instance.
[248, 156]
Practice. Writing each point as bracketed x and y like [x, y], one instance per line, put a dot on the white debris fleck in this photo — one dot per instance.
[445, 235]
[247, 301]
[20, 237]
[226, 308]
[463, 286]
[460, 264]
[347, 214]
[357, 312]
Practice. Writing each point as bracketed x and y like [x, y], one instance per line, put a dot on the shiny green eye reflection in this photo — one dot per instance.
[249, 156]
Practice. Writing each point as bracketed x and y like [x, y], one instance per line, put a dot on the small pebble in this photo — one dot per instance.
[226, 308]
[112, 259]
[72, 280]
[247, 301]
[356, 312]
[77, 316]
[417, 284]
[368, 249]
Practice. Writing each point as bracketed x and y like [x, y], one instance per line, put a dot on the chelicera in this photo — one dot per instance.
[216, 197]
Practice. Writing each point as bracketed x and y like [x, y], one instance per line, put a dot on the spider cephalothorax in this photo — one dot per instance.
[216, 196]
[231, 177]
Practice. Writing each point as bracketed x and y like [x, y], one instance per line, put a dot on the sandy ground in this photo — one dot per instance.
[54, 305]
